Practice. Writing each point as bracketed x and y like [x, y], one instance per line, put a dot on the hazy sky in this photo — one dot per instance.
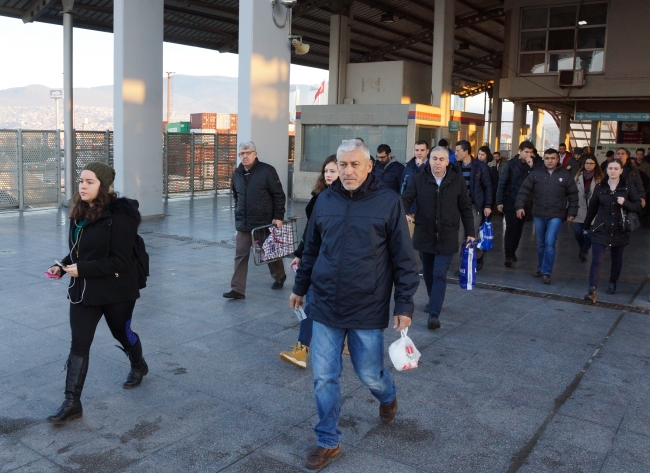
[33, 54]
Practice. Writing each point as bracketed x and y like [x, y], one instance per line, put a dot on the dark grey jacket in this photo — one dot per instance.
[513, 176]
[554, 195]
[258, 194]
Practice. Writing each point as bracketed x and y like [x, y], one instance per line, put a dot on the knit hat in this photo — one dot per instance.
[104, 173]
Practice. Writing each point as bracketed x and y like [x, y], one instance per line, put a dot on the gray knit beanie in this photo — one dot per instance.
[104, 173]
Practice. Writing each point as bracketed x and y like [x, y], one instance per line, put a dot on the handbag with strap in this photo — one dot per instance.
[630, 221]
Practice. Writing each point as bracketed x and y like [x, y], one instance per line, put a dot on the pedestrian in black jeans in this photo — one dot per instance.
[612, 197]
[515, 172]
[104, 280]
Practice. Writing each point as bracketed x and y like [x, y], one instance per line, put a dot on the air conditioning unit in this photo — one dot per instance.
[571, 78]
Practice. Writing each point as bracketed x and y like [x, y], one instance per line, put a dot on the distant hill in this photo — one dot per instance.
[31, 106]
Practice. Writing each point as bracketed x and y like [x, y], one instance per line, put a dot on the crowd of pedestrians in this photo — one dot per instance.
[373, 224]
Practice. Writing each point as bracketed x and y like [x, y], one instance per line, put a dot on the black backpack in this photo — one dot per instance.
[141, 258]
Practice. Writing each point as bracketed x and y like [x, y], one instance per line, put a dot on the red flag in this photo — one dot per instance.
[321, 90]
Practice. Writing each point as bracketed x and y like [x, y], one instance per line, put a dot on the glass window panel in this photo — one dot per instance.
[591, 38]
[532, 63]
[561, 39]
[593, 14]
[563, 16]
[533, 41]
[590, 61]
[535, 18]
[560, 62]
[322, 140]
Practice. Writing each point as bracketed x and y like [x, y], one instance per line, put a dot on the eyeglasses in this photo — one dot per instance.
[590, 163]
[245, 153]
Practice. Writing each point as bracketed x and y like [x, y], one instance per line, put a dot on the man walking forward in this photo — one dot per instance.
[357, 248]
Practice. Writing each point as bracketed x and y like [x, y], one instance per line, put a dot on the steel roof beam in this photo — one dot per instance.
[478, 61]
[36, 9]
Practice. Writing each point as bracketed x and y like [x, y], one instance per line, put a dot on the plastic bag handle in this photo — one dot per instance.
[404, 331]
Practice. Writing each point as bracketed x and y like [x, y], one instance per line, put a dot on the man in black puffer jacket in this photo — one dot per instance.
[555, 198]
[392, 169]
[514, 174]
[437, 223]
[357, 249]
[259, 201]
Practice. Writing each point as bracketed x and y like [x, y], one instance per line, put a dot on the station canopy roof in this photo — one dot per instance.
[381, 30]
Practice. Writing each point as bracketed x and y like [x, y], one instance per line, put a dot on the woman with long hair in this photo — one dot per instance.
[588, 176]
[104, 280]
[611, 199]
[485, 154]
[297, 356]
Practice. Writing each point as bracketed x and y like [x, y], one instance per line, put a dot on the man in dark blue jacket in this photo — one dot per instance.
[392, 169]
[357, 249]
[479, 187]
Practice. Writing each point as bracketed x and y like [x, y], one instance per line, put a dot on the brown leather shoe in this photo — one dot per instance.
[387, 412]
[321, 456]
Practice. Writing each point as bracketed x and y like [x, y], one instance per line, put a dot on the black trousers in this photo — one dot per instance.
[514, 228]
[84, 320]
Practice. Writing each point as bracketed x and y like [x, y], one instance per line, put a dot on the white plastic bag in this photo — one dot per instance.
[403, 353]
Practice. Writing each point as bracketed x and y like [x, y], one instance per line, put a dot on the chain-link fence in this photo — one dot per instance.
[198, 162]
[30, 168]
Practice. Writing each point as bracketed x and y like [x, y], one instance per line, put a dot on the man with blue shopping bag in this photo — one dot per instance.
[443, 202]
[479, 187]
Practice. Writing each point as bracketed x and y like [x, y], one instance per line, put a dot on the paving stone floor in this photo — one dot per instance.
[512, 382]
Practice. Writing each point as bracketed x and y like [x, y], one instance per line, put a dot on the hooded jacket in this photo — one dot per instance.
[438, 215]
[554, 194]
[103, 253]
[357, 249]
[259, 198]
[607, 228]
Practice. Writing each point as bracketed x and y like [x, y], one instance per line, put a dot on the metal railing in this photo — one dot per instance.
[30, 168]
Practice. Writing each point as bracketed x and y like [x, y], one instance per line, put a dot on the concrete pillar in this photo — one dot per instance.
[68, 104]
[263, 96]
[442, 63]
[519, 128]
[339, 58]
[595, 134]
[495, 117]
[537, 128]
[138, 102]
[565, 130]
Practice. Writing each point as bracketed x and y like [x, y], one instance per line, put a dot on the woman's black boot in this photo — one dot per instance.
[139, 367]
[591, 296]
[71, 408]
[611, 289]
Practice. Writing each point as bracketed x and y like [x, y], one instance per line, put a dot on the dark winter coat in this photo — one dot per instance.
[259, 198]
[554, 195]
[575, 163]
[608, 229]
[514, 174]
[104, 256]
[480, 184]
[308, 210]
[440, 210]
[392, 175]
[410, 170]
[633, 177]
[358, 247]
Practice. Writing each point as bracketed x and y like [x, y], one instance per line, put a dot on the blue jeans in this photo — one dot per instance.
[546, 230]
[434, 270]
[304, 336]
[367, 356]
[583, 239]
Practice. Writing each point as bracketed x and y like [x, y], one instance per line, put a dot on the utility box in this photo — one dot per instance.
[203, 121]
[178, 127]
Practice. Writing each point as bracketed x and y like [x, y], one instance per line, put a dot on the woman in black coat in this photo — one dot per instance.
[612, 197]
[104, 280]
[297, 356]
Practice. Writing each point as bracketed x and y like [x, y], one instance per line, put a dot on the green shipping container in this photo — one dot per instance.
[178, 127]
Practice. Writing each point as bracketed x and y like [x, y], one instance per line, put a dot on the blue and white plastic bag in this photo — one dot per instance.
[485, 236]
[467, 269]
